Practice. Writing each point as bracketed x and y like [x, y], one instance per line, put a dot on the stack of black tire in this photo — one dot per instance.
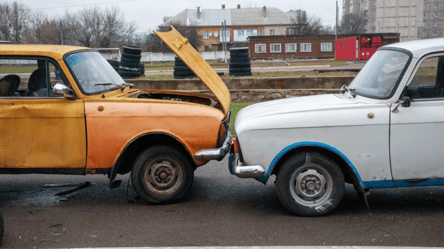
[240, 62]
[115, 64]
[130, 66]
[181, 71]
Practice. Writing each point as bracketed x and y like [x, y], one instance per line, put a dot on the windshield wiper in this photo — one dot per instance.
[122, 86]
[345, 88]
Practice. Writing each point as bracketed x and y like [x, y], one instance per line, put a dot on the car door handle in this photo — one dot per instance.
[6, 103]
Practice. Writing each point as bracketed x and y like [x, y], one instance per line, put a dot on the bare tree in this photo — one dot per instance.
[353, 24]
[114, 26]
[304, 24]
[13, 21]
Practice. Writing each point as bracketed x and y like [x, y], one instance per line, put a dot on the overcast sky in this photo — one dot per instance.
[149, 14]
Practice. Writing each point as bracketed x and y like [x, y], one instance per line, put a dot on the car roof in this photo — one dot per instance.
[54, 51]
[420, 48]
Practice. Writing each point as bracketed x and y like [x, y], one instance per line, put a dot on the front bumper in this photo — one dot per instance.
[237, 168]
[217, 153]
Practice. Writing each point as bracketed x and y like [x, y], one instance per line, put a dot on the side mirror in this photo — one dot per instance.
[405, 101]
[61, 90]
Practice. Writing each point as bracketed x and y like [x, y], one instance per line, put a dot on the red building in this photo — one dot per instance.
[360, 47]
[302, 47]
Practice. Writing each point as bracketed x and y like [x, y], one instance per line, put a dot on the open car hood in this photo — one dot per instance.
[183, 49]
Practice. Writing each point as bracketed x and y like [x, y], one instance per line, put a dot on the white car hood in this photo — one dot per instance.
[292, 105]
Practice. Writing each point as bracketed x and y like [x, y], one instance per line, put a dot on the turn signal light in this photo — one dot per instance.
[235, 146]
[222, 131]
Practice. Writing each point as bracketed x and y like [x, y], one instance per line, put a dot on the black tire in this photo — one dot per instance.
[128, 70]
[2, 228]
[181, 68]
[130, 65]
[116, 68]
[130, 49]
[114, 63]
[304, 171]
[162, 174]
[240, 70]
[241, 74]
[135, 57]
[177, 59]
[129, 60]
[142, 69]
[240, 55]
[220, 73]
[238, 50]
[240, 64]
[239, 60]
[184, 73]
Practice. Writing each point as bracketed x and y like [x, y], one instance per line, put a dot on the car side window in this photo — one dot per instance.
[428, 82]
[29, 78]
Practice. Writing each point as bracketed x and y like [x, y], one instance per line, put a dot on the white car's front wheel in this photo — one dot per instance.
[310, 184]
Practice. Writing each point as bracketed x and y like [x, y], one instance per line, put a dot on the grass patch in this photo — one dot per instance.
[235, 108]
[318, 62]
[9, 69]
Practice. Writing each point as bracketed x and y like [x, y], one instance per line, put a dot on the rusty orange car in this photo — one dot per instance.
[74, 114]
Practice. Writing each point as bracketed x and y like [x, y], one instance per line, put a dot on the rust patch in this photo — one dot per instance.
[91, 171]
[279, 85]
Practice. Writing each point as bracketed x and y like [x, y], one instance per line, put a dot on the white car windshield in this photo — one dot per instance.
[92, 70]
[381, 74]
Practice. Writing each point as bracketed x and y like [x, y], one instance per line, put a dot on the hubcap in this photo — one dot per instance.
[163, 176]
[310, 184]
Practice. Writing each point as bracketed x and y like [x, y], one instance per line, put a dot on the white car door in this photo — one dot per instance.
[417, 131]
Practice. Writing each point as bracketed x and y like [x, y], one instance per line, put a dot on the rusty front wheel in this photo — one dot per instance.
[162, 174]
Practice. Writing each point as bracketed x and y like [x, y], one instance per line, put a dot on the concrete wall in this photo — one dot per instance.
[160, 57]
[248, 83]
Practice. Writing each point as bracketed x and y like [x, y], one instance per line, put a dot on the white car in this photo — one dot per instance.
[385, 130]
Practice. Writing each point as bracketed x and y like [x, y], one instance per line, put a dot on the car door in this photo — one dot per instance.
[38, 131]
[416, 132]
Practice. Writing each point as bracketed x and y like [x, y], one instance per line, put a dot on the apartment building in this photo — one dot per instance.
[240, 24]
[413, 19]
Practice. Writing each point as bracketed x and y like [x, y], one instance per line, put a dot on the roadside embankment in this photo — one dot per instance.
[254, 89]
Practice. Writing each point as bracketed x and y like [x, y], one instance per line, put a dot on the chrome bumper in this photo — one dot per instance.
[244, 171]
[217, 153]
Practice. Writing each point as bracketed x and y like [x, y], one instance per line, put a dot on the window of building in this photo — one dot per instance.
[259, 32]
[424, 33]
[205, 34]
[423, 24]
[434, 24]
[290, 31]
[434, 32]
[240, 32]
[424, 6]
[436, 14]
[260, 49]
[275, 48]
[271, 31]
[326, 47]
[249, 32]
[290, 47]
[305, 47]
[424, 15]
[435, 5]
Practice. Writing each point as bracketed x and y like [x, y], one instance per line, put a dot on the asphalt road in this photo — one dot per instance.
[221, 210]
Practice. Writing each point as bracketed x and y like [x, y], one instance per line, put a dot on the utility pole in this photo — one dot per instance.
[224, 39]
[336, 28]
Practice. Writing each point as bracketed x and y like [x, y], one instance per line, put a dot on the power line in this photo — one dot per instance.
[78, 5]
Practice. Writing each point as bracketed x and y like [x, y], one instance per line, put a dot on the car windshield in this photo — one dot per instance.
[380, 75]
[90, 69]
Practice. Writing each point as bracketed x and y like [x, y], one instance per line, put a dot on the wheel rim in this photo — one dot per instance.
[163, 176]
[310, 184]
